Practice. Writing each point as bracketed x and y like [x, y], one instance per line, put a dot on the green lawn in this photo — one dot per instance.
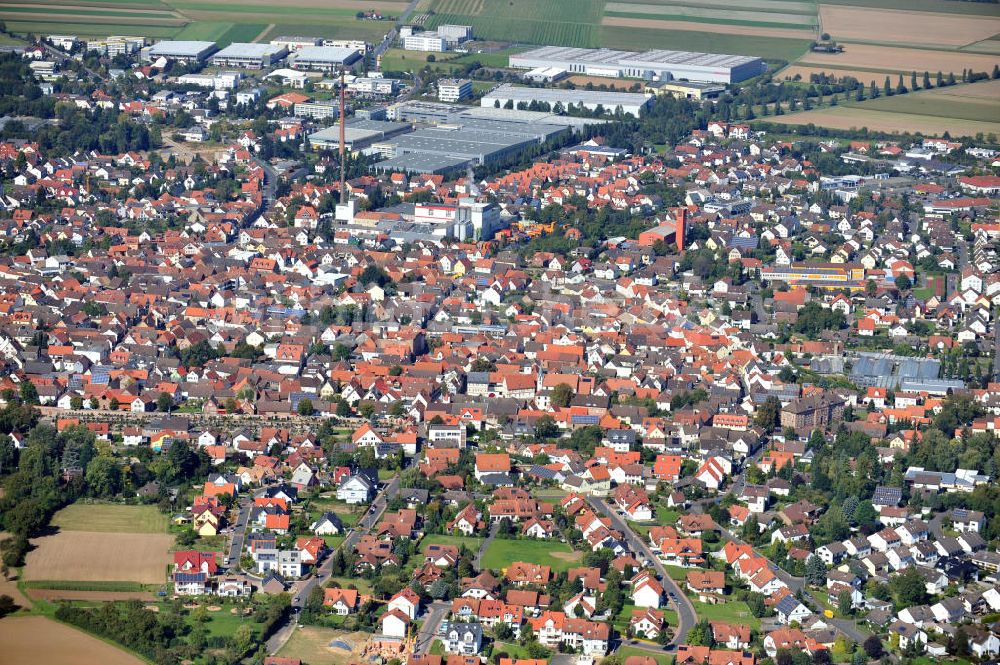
[110, 518]
[677, 573]
[730, 611]
[360, 583]
[333, 542]
[559, 556]
[458, 541]
[660, 658]
[349, 515]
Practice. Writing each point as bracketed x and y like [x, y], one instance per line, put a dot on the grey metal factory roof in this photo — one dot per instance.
[552, 95]
[422, 162]
[247, 50]
[358, 129]
[184, 48]
[604, 56]
[326, 54]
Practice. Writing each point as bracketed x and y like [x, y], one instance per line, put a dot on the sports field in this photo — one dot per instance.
[558, 556]
[224, 21]
[37, 639]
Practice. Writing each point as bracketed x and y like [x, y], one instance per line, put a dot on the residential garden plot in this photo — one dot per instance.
[37, 639]
[558, 556]
[89, 556]
[472, 543]
[732, 611]
[311, 644]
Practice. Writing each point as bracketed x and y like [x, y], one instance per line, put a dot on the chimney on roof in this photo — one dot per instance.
[680, 216]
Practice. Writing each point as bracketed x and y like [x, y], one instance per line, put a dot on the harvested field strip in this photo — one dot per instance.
[59, 26]
[844, 117]
[739, 43]
[902, 59]
[984, 90]
[10, 16]
[36, 639]
[709, 23]
[138, 4]
[671, 11]
[717, 28]
[913, 27]
[104, 557]
[986, 46]
[943, 6]
[788, 6]
[87, 10]
[864, 76]
[70, 585]
[95, 596]
[206, 8]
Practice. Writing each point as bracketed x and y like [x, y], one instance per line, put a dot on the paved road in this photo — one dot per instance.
[436, 613]
[300, 590]
[270, 183]
[478, 561]
[686, 617]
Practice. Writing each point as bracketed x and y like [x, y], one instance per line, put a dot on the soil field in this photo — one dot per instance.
[89, 557]
[805, 71]
[109, 518]
[902, 59]
[613, 84]
[35, 639]
[720, 28]
[909, 27]
[943, 6]
[97, 596]
[711, 13]
[310, 644]
[854, 118]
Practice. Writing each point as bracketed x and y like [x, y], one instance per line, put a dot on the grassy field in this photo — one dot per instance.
[37, 639]
[692, 40]
[558, 556]
[732, 612]
[660, 658]
[844, 117]
[107, 518]
[224, 21]
[977, 101]
[458, 541]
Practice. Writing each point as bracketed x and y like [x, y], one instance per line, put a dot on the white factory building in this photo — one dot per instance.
[252, 56]
[324, 58]
[630, 102]
[649, 65]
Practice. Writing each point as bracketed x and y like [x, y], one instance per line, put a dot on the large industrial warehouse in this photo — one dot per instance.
[662, 65]
[324, 58]
[451, 147]
[630, 102]
[184, 51]
[254, 56]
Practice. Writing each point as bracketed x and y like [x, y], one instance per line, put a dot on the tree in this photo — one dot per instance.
[908, 588]
[562, 395]
[343, 408]
[844, 603]
[305, 407]
[7, 605]
[164, 403]
[768, 414]
[873, 647]
[546, 427]
[28, 392]
[104, 477]
[76, 402]
[187, 538]
[903, 283]
[815, 571]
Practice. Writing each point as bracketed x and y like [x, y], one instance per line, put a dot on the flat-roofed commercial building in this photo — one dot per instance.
[252, 56]
[686, 89]
[425, 41]
[630, 102]
[657, 64]
[454, 90]
[323, 58]
[824, 275]
[358, 133]
[295, 43]
[184, 51]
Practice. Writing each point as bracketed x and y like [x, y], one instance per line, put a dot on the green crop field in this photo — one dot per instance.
[556, 22]
[690, 40]
[936, 103]
[110, 518]
[558, 556]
